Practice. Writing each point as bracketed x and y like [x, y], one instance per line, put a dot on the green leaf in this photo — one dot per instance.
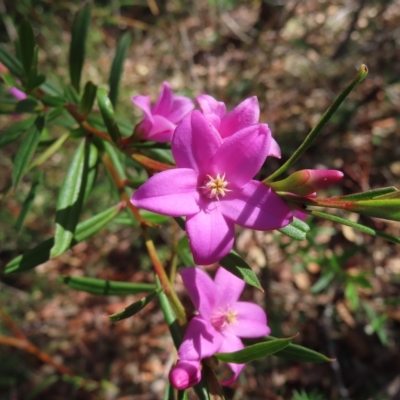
[27, 149]
[88, 97]
[351, 294]
[235, 264]
[10, 81]
[369, 195]
[28, 105]
[14, 131]
[183, 395]
[105, 287]
[170, 317]
[107, 112]
[255, 351]
[299, 353]
[117, 67]
[154, 217]
[11, 62]
[71, 94]
[53, 148]
[26, 206]
[78, 43]
[297, 229]
[362, 73]
[41, 253]
[355, 225]
[27, 46]
[184, 252]
[53, 101]
[323, 282]
[71, 198]
[135, 307]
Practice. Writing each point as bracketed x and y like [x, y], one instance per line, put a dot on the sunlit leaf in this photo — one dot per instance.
[235, 264]
[297, 229]
[105, 287]
[255, 351]
[71, 197]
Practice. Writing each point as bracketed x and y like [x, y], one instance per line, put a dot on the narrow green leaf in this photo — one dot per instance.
[323, 282]
[184, 252]
[71, 198]
[169, 316]
[53, 148]
[51, 89]
[117, 67]
[295, 352]
[88, 97]
[105, 287]
[53, 101]
[169, 391]
[107, 112]
[27, 149]
[135, 307]
[28, 105]
[355, 225]
[154, 217]
[11, 62]
[14, 131]
[41, 253]
[27, 46]
[54, 113]
[71, 94]
[10, 81]
[235, 264]
[255, 351]
[362, 73]
[297, 229]
[26, 206]
[352, 296]
[78, 43]
[183, 395]
[369, 195]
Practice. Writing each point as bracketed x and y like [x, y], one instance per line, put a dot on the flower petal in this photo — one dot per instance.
[256, 206]
[242, 155]
[143, 102]
[162, 129]
[230, 344]
[202, 290]
[172, 192]
[229, 286]
[180, 107]
[18, 94]
[164, 102]
[211, 236]
[245, 114]
[274, 150]
[201, 340]
[251, 320]
[212, 109]
[195, 141]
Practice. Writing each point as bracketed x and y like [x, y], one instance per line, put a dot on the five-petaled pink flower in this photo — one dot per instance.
[221, 322]
[213, 185]
[159, 122]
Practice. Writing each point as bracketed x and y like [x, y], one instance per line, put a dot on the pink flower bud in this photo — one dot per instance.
[18, 94]
[307, 181]
[185, 374]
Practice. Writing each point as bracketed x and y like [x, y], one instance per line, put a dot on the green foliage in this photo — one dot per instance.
[303, 395]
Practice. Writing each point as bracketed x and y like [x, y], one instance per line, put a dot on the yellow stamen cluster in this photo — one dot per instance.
[216, 187]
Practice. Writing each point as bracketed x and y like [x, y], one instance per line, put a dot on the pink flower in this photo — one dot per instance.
[221, 322]
[159, 122]
[247, 113]
[213, 186]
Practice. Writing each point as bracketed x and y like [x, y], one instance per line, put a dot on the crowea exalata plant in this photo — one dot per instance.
[210, 183]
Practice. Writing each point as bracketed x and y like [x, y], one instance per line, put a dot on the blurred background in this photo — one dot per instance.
[340, 289]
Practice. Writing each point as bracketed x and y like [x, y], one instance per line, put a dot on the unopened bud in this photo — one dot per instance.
[185, 374]
[307, 181]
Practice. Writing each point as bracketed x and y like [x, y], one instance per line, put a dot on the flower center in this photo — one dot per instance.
[223, 318]
[216, 187]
